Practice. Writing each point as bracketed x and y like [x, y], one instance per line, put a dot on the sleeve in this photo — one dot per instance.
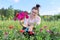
[38, 21]
[26, 22]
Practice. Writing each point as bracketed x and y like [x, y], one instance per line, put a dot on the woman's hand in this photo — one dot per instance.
[31, 28]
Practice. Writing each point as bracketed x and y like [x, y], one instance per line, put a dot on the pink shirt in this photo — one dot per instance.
[36, 21]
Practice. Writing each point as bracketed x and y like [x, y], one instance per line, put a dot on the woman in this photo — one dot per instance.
[34, 19]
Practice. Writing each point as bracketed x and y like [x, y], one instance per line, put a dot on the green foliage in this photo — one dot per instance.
[51, 17]
[7, 33]
[8, 14]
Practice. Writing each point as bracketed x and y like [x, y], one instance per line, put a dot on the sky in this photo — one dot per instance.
[48, 7]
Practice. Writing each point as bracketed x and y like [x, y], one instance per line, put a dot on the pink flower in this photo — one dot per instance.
[49, 31]
[45, 26]
[6, 33]
[22, 15]
[41, 30]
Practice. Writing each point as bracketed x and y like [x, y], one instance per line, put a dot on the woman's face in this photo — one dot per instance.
[34, 12]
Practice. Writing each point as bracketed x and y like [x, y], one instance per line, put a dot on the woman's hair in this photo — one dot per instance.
[37, 8]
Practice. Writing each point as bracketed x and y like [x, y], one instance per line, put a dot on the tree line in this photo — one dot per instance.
[9, 13]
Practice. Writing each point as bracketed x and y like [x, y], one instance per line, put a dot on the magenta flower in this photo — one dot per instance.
[27, 16]
[17, 14]
[22, 15]
[15, 18]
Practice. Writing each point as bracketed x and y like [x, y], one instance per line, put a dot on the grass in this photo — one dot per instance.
[8, 33]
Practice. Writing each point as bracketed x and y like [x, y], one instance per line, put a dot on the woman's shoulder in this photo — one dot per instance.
[38, 17]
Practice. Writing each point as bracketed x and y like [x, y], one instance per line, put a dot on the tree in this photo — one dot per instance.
[10, 12]
[2, 13]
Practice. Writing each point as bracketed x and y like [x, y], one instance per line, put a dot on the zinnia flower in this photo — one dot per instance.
[10, 27]
[22, 31]
[41, 29]
[14, 18]
[22, 15]
[49, 31]
[17, 14]
[27, 16]
[6, 33]
[45, 26]
[31, 33]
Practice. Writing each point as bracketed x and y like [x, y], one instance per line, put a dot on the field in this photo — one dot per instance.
[10, 30]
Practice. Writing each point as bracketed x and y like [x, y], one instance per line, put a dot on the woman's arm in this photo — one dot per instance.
[26, 23]
[21, 22]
